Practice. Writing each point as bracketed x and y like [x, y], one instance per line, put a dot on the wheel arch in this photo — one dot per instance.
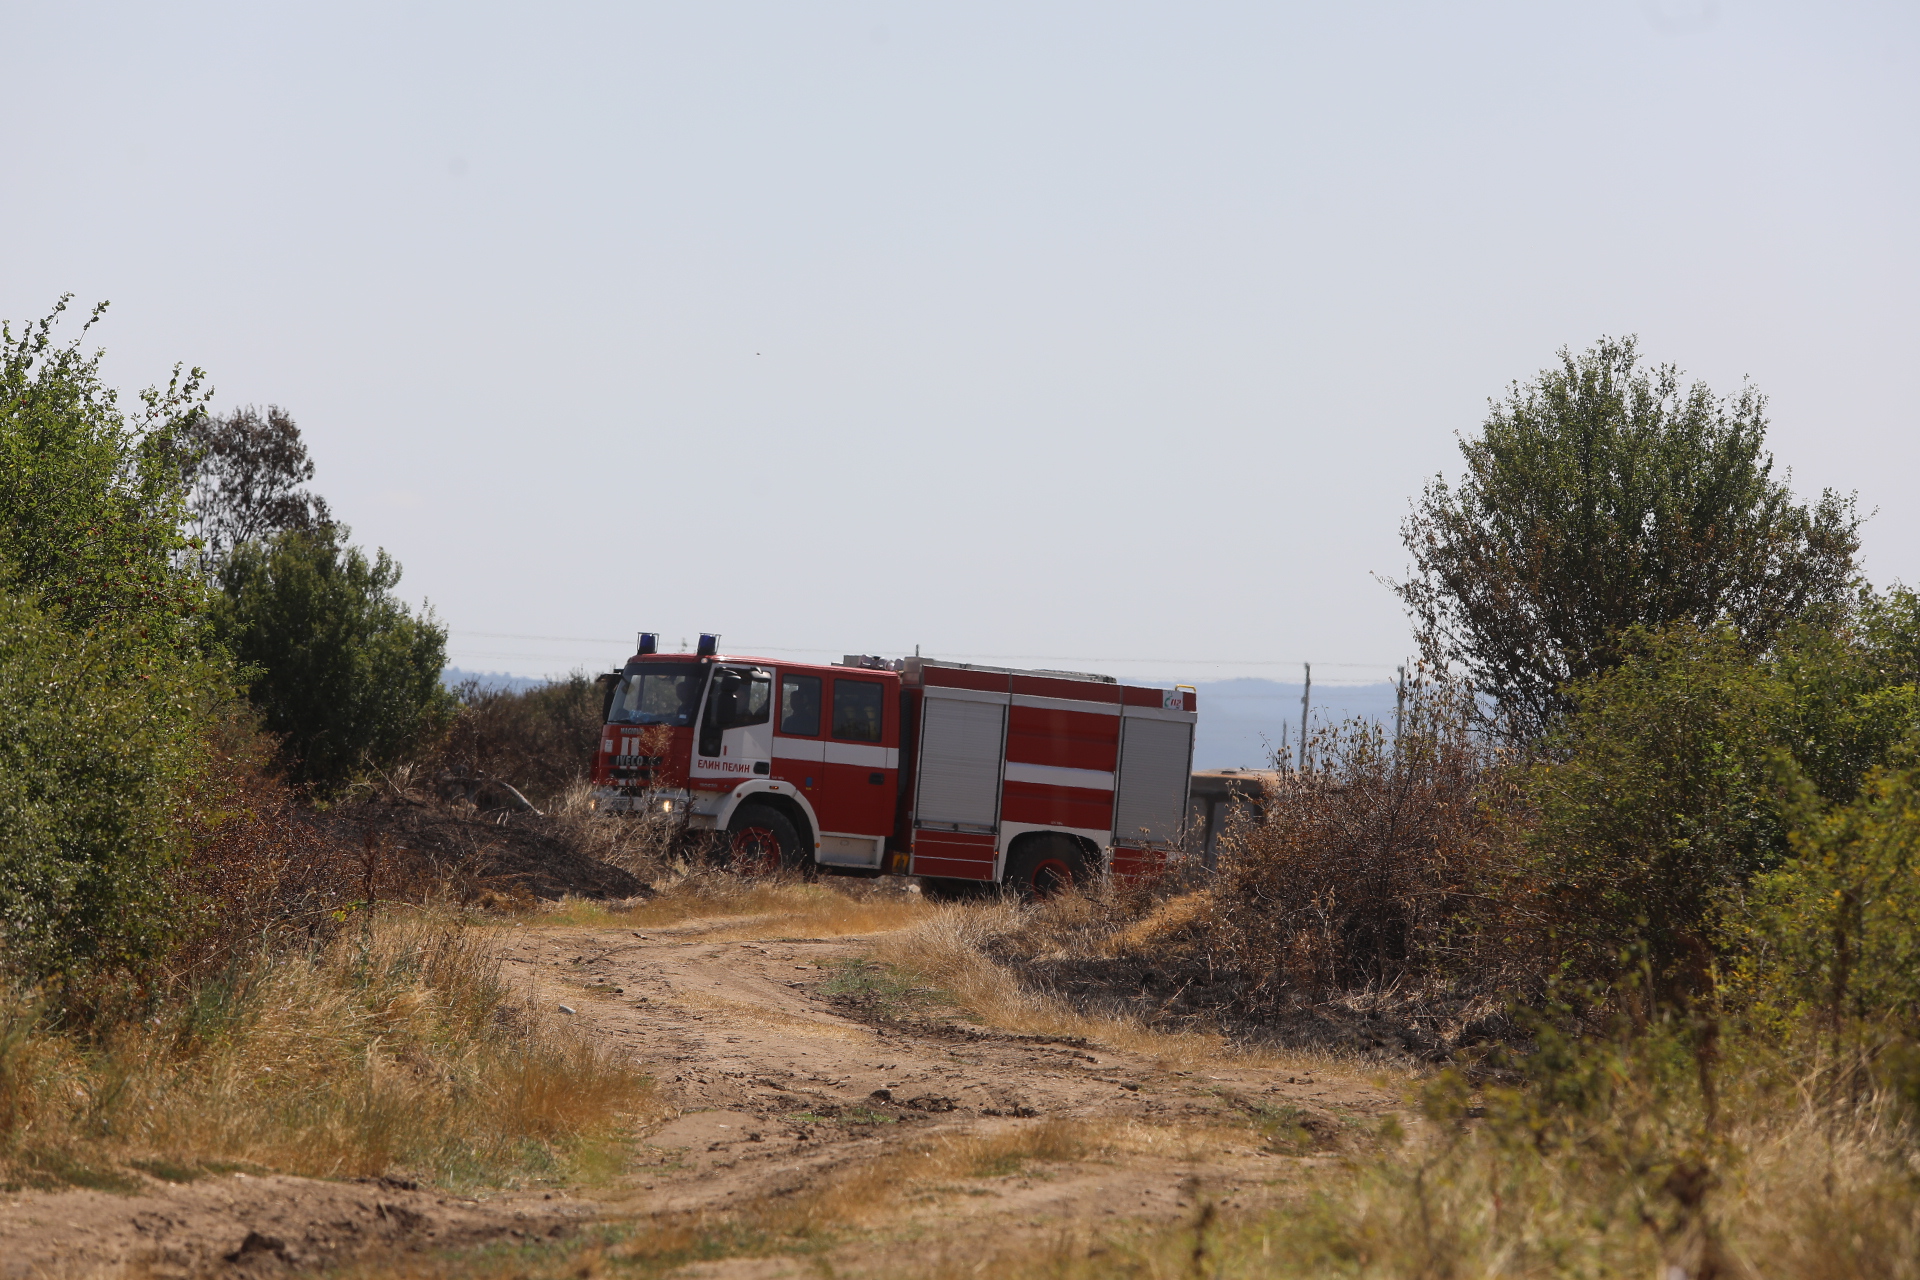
[775, 795]
[1028, 839]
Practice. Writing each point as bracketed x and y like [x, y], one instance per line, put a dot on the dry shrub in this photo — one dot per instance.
[1379, 862]
[451, 848]
[395, 1048]
[647, 845]
[264, 870]
[540, 740]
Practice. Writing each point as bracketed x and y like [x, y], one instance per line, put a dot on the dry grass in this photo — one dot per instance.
[1791, 1189]
[401, 1050]
[722, 906]
[950, 948]
[873, 1190]
[842, 1207]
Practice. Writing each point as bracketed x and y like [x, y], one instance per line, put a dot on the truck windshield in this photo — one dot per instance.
[658, 695]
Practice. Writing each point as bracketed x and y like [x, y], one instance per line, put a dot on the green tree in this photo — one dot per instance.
[91, 499]
[245, 472]
[1657, 803]
[1600, 497]
[1674, 782]
[337, 665]
[101, 741]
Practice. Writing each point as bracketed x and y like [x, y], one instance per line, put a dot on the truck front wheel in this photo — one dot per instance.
[761, 840]
[1047, 866]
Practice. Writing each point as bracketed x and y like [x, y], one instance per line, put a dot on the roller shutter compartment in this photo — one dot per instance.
[1155, 760]
[960, 750]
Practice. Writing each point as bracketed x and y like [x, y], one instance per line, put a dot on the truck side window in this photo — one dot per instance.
[857, 707]
[800, 706]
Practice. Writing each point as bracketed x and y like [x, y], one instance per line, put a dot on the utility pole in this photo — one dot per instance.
[1306, 701]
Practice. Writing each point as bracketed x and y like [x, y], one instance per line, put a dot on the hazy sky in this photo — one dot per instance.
[1068, 334]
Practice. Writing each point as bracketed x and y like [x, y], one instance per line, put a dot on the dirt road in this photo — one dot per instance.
[793, 1079]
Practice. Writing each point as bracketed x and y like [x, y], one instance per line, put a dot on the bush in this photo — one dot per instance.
[101, 741]
[90, 501]
[1667, 791]
[1659, 807]
[1374, 863]
[339, 668]
[1835, 931]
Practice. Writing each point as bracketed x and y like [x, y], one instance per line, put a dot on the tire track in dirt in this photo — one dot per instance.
[770, 1090]
[774, 1088]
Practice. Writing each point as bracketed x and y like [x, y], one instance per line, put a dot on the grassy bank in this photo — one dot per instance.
[395, 1050]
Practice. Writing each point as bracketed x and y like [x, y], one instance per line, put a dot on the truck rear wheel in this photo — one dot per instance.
[761, 840]
[1047, 866]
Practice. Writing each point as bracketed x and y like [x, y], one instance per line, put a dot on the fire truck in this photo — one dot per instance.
[966, 776]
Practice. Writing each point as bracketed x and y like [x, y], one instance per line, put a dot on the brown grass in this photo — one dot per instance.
[1794, 1194]
[841, 1206]
[721, 905]
[396, 1049]
[951, 948]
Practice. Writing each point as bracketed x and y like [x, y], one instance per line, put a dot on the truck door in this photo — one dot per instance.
[860, 791]
[1156, 770]
[736, 726]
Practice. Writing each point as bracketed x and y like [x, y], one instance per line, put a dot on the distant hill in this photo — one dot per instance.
[453, 677]
[1241, 721]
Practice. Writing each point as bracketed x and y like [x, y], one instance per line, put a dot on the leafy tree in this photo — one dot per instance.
[101, 740]
[1658, 803]
[91, 500]
[338, 666]
[245, 471]
[1676, 779]
[1602, 497]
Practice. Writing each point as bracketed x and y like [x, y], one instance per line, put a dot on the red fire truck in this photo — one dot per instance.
[963, 775]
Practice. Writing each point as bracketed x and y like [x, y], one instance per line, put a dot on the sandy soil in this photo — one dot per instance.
[774, 1088]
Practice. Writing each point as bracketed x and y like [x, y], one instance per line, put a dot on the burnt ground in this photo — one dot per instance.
[1171, 993]
[481, 855]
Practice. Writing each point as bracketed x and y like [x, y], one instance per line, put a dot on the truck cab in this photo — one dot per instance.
[786, 762]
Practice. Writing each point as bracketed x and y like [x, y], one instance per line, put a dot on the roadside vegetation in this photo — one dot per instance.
[235, 928]
[1628, 907]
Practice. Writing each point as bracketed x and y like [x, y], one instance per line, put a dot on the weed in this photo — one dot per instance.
[880, 992]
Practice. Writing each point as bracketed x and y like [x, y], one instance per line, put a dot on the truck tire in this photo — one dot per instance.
[761, 841]
[1047, 866]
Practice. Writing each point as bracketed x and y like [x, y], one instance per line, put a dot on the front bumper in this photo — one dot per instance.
[633, 800]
